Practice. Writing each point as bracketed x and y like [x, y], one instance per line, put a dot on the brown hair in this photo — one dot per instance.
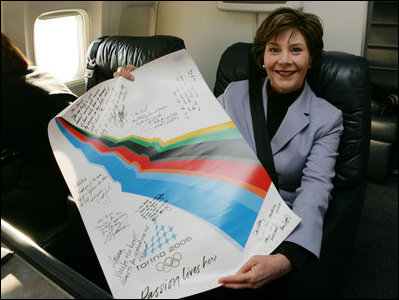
[12, 59]
[309, 25]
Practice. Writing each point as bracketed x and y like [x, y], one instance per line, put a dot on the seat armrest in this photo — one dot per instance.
[69, 280]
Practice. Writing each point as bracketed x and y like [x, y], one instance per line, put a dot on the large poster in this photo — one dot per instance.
[171, 195]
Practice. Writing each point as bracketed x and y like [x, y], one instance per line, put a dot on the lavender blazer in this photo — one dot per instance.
[304, 150]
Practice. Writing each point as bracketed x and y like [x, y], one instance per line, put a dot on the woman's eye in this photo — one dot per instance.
[296, 49]
[273, 49]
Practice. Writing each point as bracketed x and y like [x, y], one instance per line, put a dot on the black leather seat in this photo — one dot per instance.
[342, 79]
[383, 146]
[111, 52]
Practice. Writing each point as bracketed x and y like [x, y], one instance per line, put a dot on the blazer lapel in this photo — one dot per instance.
[295, 120]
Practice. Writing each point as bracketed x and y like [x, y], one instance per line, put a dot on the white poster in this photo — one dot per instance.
[171, 195]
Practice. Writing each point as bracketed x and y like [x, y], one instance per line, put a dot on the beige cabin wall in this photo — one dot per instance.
[206, 31]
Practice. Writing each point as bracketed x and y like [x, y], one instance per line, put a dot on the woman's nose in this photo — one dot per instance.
[285, 57]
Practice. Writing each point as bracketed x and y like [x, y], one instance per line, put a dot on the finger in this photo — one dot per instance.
[244, 285]
[237, 286]
[122, 71]
[131, 67]
[240, 277]
[249, 265]
[129, 76]
[125, 73]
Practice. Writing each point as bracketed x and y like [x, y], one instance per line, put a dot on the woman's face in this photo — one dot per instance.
[287, 60]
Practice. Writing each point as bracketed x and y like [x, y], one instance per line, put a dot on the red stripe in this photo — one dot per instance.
[241, 174]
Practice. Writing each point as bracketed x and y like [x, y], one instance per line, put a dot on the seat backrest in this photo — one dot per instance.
[342, 79]
[116, 51]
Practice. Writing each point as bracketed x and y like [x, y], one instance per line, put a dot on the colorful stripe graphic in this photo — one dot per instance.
[192, 171]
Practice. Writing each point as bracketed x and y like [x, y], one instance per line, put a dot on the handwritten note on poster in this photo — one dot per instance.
[171, 195]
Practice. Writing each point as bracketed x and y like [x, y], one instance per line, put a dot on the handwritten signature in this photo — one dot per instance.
[111, 224]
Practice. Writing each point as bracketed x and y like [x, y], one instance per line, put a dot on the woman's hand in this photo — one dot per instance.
[125, 72]
[257, 271]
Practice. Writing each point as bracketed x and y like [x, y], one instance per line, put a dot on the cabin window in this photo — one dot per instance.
[59, 41]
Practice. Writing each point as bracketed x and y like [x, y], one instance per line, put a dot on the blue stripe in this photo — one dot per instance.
[230, 208]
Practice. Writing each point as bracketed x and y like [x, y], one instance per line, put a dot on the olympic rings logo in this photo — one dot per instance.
[169, 263]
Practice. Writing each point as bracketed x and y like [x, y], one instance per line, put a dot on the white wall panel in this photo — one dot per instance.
[344, 23]
[139, 19]
[206, 31]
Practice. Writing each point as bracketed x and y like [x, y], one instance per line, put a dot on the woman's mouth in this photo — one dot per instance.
[285, 73]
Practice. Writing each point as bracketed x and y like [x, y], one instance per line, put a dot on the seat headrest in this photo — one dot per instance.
[116, 51]
[343, 79]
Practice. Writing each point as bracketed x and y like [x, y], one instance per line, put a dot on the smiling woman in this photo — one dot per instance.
[287, 60]
[303, 143]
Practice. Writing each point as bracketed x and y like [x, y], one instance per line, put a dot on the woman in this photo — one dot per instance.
[304, 133]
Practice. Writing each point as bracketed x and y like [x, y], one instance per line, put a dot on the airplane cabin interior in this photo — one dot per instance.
[46, 248]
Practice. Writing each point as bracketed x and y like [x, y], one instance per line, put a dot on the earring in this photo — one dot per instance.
[263, 66]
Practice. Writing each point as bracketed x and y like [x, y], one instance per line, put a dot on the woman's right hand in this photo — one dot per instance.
[125, 72]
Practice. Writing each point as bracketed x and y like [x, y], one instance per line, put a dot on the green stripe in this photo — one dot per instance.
[226, 134]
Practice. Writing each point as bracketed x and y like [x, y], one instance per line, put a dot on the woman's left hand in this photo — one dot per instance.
[257, 271]
[125, 72]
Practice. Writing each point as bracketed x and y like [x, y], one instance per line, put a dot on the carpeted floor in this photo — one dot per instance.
[373, 270]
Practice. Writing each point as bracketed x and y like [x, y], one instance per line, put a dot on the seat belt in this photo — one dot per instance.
[90, 77]
[261, 134]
